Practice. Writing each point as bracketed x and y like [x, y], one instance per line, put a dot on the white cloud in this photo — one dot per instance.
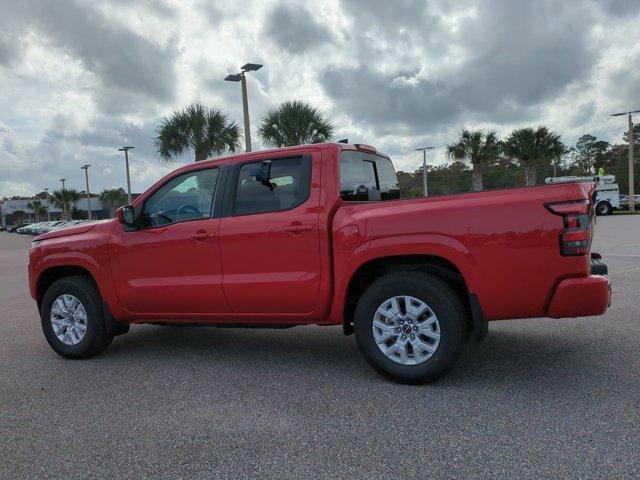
[79, 79]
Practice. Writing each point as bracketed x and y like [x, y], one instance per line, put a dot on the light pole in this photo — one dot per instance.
[240, 77]
[425, 190]
[126, 160]
[86, 177]
[63, 180]
[632, 202]
[46, 194]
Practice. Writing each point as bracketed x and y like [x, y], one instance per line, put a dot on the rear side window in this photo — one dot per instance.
[271, 186]
[367, 177]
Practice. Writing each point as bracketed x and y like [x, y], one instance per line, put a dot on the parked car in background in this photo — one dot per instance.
[28, 229]
[14, 228]
[624, 200]
[318, 234]
[45, 227]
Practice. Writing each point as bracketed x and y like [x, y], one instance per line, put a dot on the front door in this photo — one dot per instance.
[171, 265]
[270, 240]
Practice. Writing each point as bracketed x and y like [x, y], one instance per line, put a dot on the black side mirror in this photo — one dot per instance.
[126, 215]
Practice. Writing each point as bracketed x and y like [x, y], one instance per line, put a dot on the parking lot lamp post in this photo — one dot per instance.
[240, 77]
[425, 190]
[46, 195]
[631, 175]
[126, 160]
[63, 180]
[86, 177]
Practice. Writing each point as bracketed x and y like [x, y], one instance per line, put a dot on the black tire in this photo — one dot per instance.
[604, 208]
[96, 338]
[442, 300]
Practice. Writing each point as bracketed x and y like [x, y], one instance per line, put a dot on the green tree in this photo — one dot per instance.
[589, 154]
[294, 123]
[114, 198]
[204, 131]
[636, 135]
[534, 148]
[38, 209]
[480, 149]
[65, 199]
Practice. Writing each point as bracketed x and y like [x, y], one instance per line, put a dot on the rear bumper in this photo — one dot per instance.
[580, 297]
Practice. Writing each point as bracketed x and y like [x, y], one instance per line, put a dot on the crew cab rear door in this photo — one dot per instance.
[269, 236]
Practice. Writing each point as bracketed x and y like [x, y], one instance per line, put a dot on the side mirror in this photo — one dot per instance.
[126, 216]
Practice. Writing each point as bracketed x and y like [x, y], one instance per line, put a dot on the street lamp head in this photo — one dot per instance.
[124, 149]
[624, 113]
[84, 167]
[233, 77]
[248, 67]
[63, 179]
[424, 148]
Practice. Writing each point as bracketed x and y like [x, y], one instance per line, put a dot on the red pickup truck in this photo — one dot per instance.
[319, 234]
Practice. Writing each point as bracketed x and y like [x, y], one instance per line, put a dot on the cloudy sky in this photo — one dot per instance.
[80, 78]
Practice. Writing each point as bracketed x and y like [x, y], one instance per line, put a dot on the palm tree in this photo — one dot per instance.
[533, 147]
[31, 206]
[65, 199]
[294, 123]
[481, 149]
[114, 197]
[203, 130]
[38, 209]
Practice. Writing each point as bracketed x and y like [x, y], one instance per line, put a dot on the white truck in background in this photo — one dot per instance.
[607, 191]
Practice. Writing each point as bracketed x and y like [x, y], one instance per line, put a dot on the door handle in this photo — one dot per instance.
[202, 236]
[297, 228]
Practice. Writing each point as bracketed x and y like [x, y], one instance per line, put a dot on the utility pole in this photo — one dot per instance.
[632, 202]
[126, 159]
[86, 176]
[240, 77]
[46, 194]
[425, 190]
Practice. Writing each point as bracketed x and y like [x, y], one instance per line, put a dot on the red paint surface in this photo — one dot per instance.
[295, 266]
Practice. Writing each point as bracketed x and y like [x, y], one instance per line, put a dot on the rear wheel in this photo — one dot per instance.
[604, 208]
[410, 327]
[72, 318]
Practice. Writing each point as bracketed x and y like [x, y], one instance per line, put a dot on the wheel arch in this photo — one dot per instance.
[373, 269]
[51, 274]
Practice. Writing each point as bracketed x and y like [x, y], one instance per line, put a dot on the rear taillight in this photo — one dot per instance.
[575, 238]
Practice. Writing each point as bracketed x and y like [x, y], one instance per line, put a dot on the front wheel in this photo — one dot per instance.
[72, 318]
[410, 327]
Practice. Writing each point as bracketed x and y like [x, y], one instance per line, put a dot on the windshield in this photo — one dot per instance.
[367, 177]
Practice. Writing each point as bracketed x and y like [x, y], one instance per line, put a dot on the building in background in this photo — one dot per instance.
[99, 209]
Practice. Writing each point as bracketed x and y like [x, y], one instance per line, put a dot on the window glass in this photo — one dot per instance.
[366, 176]
[186, 197]
[280, 184]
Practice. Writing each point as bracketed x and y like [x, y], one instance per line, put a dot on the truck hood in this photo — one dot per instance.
[75, 230]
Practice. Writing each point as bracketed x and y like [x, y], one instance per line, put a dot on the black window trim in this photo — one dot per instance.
[216, 207]
[231, 190]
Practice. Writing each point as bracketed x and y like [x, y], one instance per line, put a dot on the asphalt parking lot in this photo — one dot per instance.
[536, 399]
